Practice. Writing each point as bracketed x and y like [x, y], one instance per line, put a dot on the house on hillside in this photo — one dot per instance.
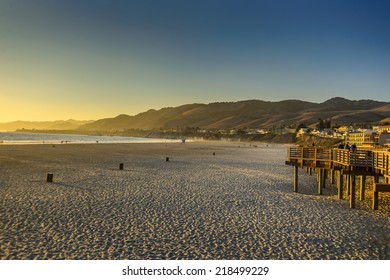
[368, 138]
[303, 130]
[356, 138]
[383, 139]
[382, 128]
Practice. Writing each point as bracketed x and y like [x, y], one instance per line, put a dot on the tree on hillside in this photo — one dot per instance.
[320, 126]
[301, 125]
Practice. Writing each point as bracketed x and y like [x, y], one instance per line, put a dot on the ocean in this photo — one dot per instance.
[46, 138]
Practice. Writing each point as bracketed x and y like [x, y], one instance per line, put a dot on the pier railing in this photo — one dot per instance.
[358, 158]
[381, 162]
[311, 156]
[375, 160]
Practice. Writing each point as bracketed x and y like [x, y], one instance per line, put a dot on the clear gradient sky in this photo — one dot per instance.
[87, 59]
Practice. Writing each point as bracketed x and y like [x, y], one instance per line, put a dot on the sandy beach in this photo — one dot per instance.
[236, 204]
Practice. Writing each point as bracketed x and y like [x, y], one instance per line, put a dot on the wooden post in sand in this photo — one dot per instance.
[332, 175]
[362, 186]
[320, 180]
[375, 198]
[375, 195]
[49, 177]
[324, 176]
[340, 183]
[352, 191]
[376, 178]
[167, 159]
[213, 154]
[120, 166]
[295, 178]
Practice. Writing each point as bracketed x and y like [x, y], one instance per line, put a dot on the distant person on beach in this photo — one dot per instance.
[353, 147]
[347, 147]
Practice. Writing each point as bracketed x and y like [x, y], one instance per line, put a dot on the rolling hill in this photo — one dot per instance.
[225, 115]
[250, 114]
[44, 125]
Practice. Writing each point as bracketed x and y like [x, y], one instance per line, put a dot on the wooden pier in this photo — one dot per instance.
[341, 165]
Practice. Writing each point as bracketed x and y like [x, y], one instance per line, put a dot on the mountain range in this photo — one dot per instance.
[44, 125]
[250, 114]
[223, 115]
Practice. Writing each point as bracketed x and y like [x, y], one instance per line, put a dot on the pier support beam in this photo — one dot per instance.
[352, 191]
[340, 183]
[362, 187]
[324, 177]
[376, 178]
[320, 179]
[295, 178]
[332, 176]
[375, 198]
[348, 183]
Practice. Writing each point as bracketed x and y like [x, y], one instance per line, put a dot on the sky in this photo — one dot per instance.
[86, 60]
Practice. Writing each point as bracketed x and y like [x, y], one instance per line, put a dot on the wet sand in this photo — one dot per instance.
[236, 204]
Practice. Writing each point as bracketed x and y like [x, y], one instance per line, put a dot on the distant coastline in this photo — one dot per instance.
[33, 137]
[287, 138]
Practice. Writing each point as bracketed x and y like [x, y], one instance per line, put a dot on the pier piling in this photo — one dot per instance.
[362, 187]
[352, 191]
[340, 184]
[295, 178]
[332, 176]
[320, 179]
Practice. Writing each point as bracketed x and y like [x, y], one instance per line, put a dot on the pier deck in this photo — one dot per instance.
[343, 166]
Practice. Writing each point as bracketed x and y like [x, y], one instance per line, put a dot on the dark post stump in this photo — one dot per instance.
[120, 166]
[167, 159]
[49, 177]
[213, 154]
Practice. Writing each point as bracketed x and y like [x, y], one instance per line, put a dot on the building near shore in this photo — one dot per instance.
[368, 138]
[382, 128]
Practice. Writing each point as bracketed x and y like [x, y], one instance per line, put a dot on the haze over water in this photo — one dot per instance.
[46, 138]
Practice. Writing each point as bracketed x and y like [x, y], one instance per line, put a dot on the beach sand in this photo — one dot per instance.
[236, 204]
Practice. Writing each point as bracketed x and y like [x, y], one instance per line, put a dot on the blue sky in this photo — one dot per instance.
[65, 59]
